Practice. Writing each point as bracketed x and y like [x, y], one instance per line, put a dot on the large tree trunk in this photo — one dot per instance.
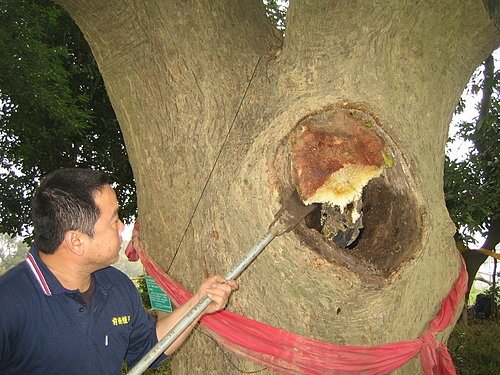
[207, 96]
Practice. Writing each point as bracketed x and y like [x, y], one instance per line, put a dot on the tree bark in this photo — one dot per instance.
[207, 95]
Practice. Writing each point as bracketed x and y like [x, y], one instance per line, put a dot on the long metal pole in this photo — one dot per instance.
[198, 309]
[287, 217]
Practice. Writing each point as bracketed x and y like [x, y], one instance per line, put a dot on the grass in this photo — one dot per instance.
[474, 292]
[475, 347]
[164, 369]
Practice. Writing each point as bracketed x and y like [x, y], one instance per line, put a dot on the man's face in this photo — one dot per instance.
[104, 248]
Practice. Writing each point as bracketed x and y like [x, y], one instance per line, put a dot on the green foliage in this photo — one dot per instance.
[494, 293]
[465, 197]
[473, 295]
[474, 347]
[276, 12]
[472, 185]
[54, 110]
[143, 291]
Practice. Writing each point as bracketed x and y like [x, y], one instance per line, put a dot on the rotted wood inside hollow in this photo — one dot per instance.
[392, 229]
[392, 218]
[334, 154]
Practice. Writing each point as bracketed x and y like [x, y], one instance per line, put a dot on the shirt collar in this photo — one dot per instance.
[49, 284]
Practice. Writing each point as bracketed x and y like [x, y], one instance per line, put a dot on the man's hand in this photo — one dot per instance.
[218, 290]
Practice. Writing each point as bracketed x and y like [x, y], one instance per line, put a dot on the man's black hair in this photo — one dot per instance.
[65, 201]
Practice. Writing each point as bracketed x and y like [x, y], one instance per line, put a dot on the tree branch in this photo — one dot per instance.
[493, 236]
[482, 279]
[493, 7]
[485, 105]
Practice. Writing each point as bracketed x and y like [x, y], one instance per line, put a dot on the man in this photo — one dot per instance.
[65, 310]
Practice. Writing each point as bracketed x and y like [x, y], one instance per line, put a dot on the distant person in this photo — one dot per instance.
[65, 310]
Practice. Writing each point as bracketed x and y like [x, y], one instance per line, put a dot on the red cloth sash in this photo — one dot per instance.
[288, 353]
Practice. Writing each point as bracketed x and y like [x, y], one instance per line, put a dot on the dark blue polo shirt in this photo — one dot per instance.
[47, 329]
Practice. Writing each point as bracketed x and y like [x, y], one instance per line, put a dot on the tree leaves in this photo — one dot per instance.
[472, 185]
[276, 13]
[54, 110]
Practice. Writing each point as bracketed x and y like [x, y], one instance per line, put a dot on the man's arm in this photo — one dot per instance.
[216, 288]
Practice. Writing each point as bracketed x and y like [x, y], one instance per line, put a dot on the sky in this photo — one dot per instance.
[456, 149]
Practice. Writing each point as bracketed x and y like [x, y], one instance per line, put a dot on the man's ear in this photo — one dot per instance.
[74, 242]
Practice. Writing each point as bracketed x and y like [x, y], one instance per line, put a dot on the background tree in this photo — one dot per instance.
[54, 110]
[472, 189]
